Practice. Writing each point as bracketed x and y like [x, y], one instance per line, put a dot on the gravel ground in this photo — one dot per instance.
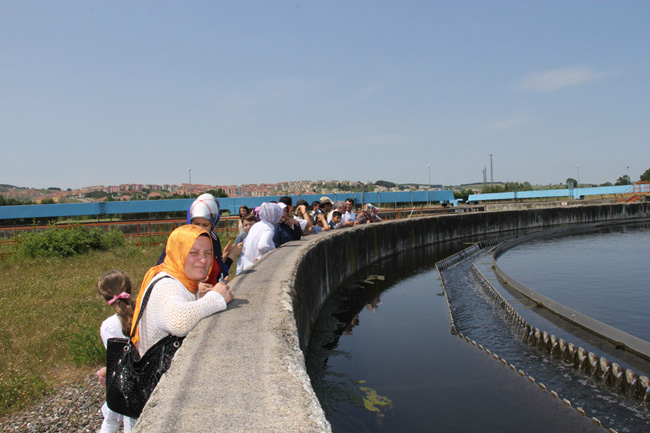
[74, 408]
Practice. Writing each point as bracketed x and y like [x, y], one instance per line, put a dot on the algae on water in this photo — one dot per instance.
[372, 401]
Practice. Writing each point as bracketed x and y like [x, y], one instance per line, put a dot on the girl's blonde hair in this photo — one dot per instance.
[112, 284]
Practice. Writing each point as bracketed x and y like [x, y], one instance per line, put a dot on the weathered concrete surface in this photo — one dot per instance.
[243, 370]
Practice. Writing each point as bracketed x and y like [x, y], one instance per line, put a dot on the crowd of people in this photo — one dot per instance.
[276, 223]
[190, 280]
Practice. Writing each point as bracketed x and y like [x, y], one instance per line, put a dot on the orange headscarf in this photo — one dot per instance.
[179, 244]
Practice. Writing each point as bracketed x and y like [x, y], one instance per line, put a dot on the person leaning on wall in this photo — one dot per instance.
[304, 218]
[288, 229]
[348, 219]
[320, 215]
[368, 214]
[260, 237]
[178, 303]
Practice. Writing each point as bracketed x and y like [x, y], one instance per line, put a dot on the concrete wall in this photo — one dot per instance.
[243, 369]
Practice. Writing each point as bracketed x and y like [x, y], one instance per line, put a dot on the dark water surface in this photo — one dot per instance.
[382, 359]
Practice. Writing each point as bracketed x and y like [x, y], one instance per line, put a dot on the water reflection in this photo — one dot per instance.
[382, 358]
[340, 391]
[351, 319]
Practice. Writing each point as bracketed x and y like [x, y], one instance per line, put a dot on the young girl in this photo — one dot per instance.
[115, 288]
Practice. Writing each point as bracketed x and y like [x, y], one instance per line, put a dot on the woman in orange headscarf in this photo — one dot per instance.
[174, 306]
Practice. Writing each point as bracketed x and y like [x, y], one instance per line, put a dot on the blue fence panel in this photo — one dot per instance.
[549, 193]
[49, 210]
[444, 196]
[230, 204]
[602, 190]
[491, 196]
[146, 206]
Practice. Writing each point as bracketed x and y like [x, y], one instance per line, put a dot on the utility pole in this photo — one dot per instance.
[484, 177]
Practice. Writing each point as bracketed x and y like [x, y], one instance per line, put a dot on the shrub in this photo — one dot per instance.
[112, 239]
[66, 242]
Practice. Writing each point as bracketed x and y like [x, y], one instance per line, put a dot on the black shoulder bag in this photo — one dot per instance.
[130, 379]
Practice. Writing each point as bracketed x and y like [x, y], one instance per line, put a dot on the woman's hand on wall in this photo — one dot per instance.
[224, 290]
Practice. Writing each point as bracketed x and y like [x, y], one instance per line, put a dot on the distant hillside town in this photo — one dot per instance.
[157, 192]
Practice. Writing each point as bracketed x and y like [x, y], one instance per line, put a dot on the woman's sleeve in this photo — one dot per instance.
[217, 251]
[266, 243]
[179, 315]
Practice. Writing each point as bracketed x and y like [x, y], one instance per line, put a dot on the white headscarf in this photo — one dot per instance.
[271, 213]
[205, 206]
[260, 237]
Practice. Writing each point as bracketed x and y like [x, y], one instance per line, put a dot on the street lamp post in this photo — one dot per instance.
[189, 172]
[627, 175]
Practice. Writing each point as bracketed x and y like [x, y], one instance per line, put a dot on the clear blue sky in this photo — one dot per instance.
[111, 92]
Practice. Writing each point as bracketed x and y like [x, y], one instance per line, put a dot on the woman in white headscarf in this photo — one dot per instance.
[260, 238]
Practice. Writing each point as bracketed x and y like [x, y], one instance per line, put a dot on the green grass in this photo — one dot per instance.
[50, 314]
